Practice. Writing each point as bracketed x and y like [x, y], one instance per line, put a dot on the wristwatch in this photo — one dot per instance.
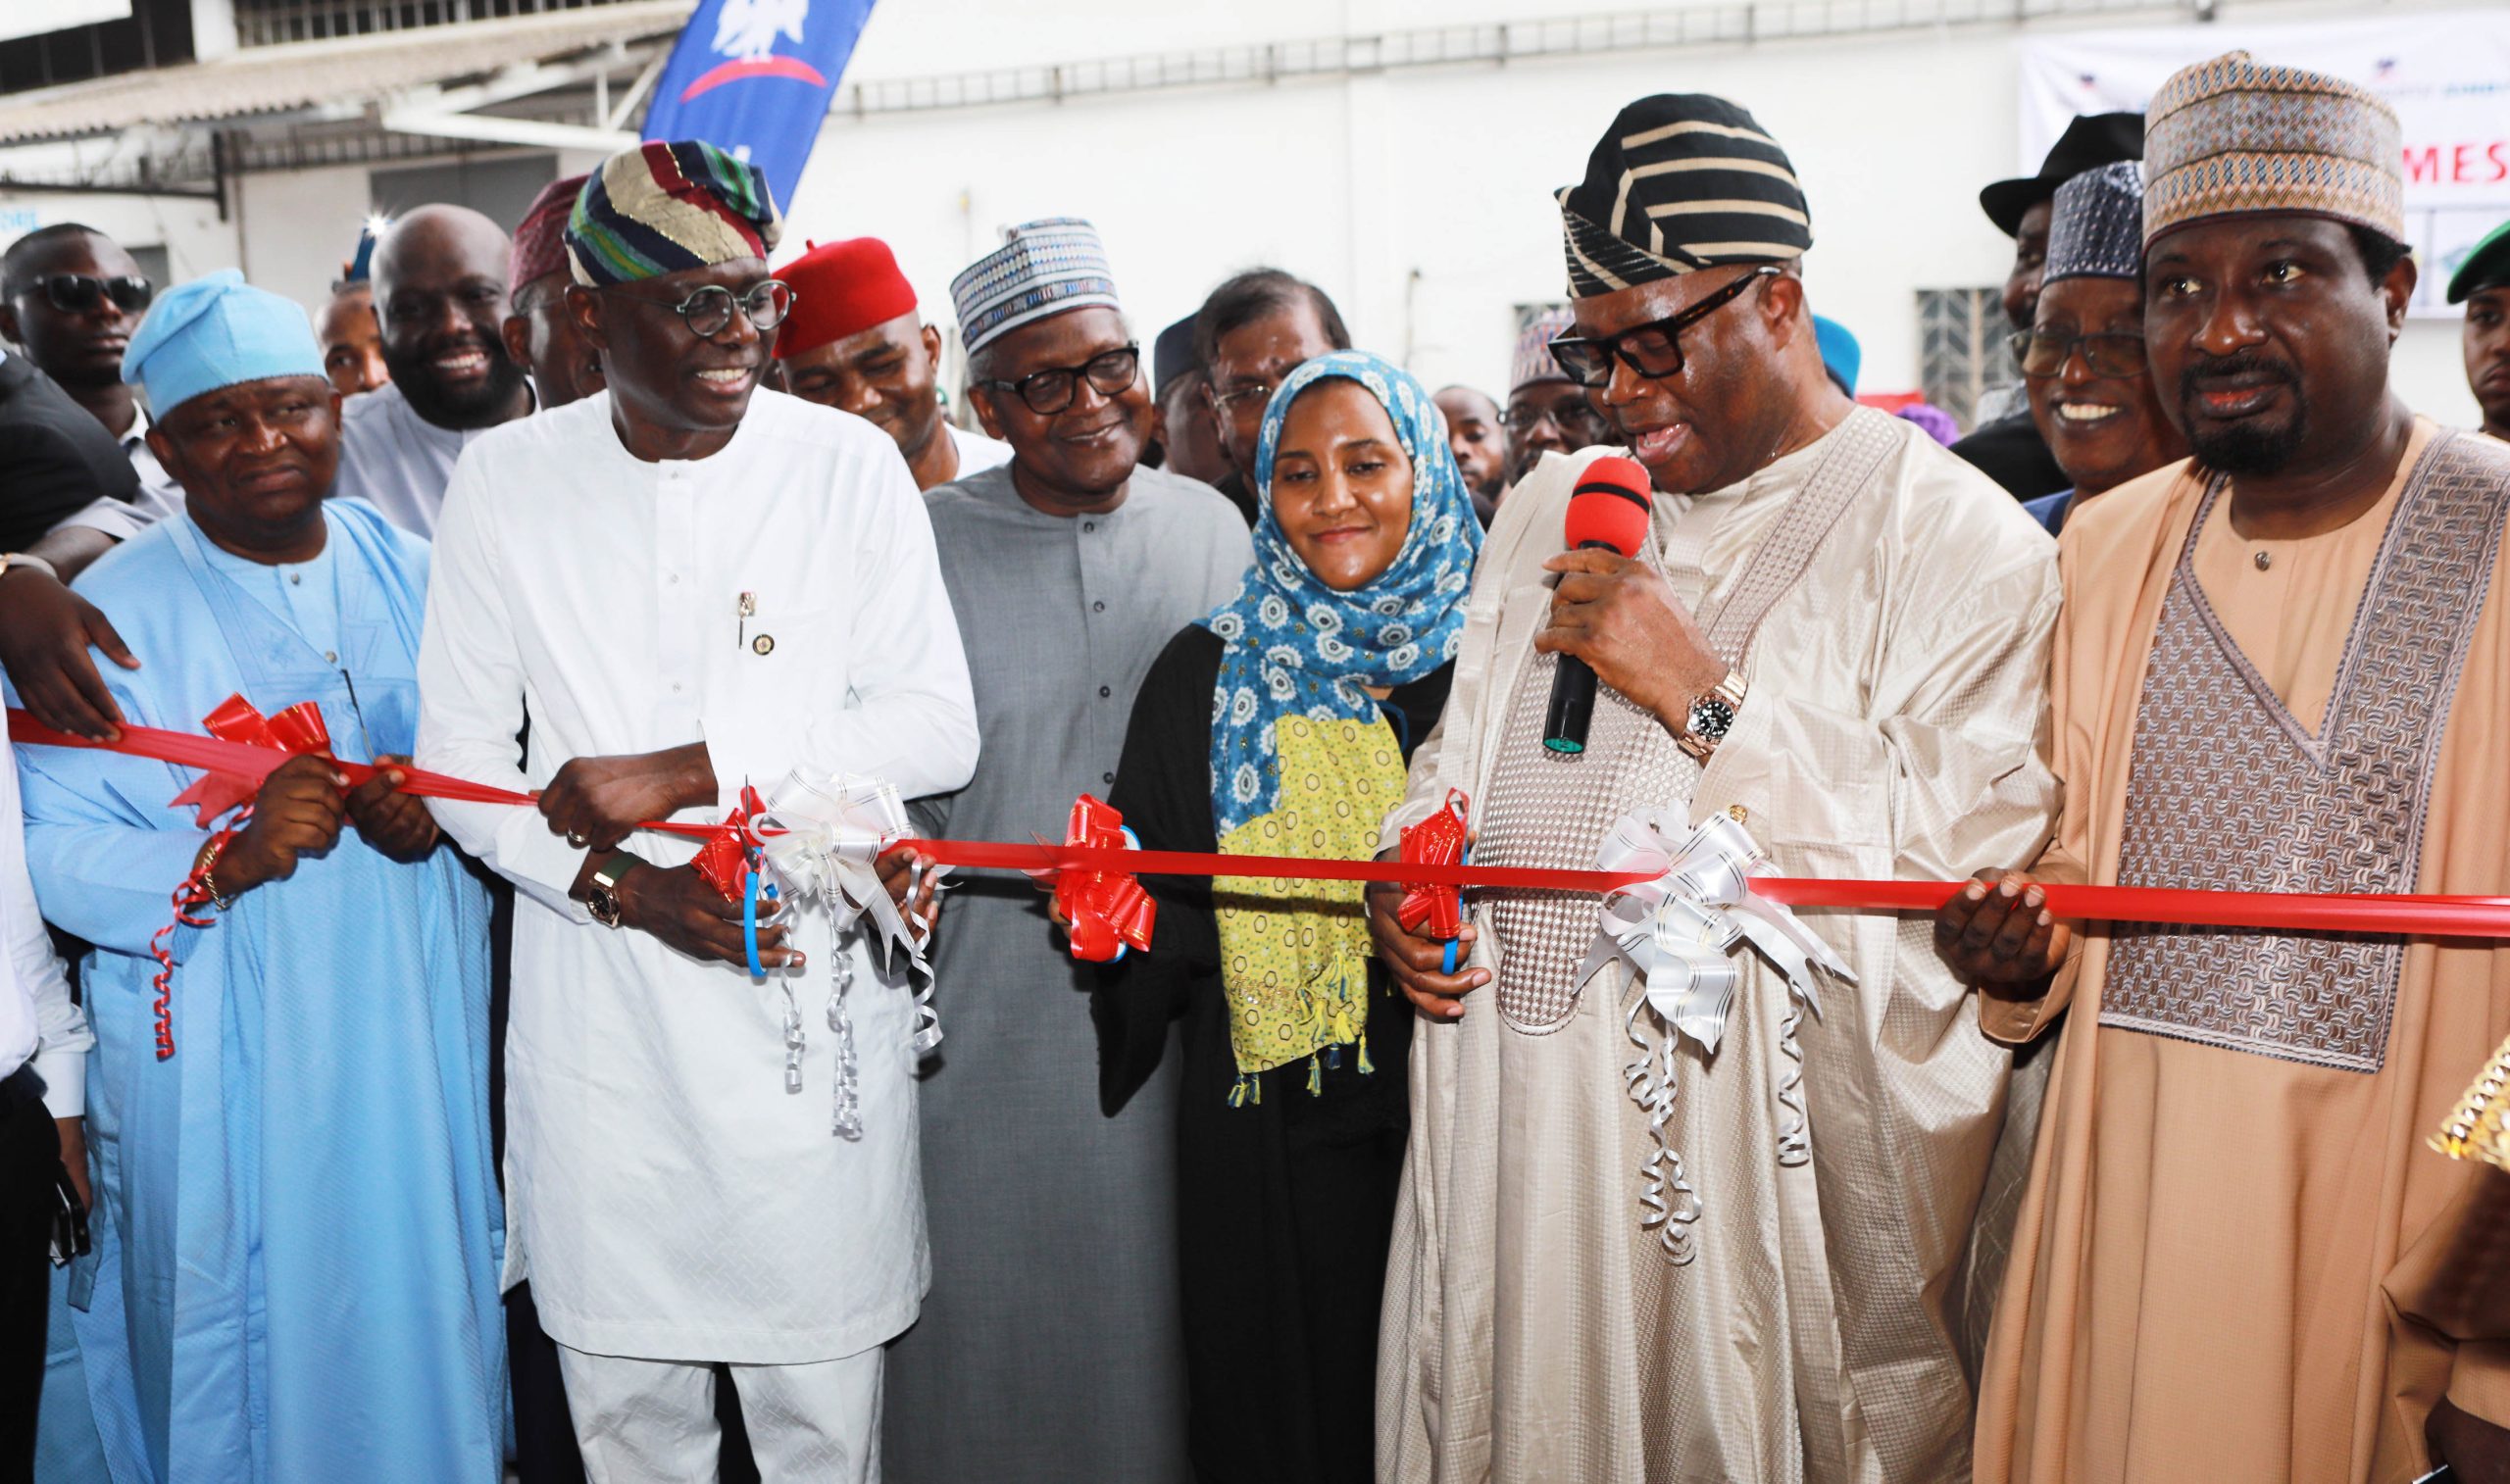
[601, 896]
[11, 560]
[1712, 716]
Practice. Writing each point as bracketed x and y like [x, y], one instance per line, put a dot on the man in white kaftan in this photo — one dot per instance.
[1873, 618]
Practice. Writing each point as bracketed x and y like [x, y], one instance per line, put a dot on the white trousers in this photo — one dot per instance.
[653, 1421]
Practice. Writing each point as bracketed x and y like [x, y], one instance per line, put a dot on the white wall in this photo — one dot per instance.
[1420, 199]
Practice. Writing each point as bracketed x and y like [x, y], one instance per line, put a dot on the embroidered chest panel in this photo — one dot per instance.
[2226, 791]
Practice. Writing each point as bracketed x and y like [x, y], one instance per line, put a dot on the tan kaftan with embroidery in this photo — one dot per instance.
[2231, 1184]
[1534, 1330]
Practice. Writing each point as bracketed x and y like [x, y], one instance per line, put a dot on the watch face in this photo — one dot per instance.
[1711, 718]
[603, 904]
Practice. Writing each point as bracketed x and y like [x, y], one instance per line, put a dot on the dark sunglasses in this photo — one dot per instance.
[1051, 391]
[1652, 350]
[2042, 353]
[79, 294]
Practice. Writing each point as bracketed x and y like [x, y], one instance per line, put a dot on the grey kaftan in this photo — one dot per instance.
[1050, 1346]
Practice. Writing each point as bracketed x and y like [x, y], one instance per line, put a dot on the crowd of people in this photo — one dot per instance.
[435, 1138]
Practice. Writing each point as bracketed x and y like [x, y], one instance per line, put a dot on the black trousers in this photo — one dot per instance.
[29, 1159]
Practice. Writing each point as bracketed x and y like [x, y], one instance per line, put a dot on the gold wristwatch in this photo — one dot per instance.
[1712, 716]
[601, 894]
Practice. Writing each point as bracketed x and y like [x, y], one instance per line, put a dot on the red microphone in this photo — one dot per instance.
[1610, 509]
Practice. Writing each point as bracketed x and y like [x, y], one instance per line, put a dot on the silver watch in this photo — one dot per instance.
[1712, 716]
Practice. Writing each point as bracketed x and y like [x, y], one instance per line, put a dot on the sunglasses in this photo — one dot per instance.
[1652, 350]
[79, 294]
[1051, 391]
[2042, 353]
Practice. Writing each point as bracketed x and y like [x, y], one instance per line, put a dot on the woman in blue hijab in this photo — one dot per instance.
[1282, 725]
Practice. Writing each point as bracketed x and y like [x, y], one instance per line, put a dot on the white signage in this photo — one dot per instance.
[2446, 73]
[32, 17]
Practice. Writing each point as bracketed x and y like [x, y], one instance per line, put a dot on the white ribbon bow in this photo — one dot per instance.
[822, 840]
[1678, 932]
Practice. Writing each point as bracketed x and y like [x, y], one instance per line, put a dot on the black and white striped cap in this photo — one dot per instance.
[1681, 182]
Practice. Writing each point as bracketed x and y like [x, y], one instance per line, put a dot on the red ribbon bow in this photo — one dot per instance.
[726, 854]
[1437, 840]
[297, 730]
[1108, 910]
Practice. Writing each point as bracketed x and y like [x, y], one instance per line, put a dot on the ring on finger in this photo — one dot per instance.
[576, 839]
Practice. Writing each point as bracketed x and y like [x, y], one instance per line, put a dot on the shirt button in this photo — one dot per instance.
[675, 687]
[295, 577]
[332, 658]
[1104, 692]
[1106, 778]
[674, 580]
[1098, 608]
[1088, 525]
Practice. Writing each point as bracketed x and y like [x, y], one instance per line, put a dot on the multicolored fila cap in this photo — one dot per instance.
[667, 208]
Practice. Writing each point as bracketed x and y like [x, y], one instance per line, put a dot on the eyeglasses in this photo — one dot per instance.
[708, 310]
[1572, 415]
[1652, 350]
[1245, 396]
[2042, 353]
[1051, 391]
[79, 294]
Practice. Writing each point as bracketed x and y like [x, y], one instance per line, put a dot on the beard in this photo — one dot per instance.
[2251, 445]
[458, 408]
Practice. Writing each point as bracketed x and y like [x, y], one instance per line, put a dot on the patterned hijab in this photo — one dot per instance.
[1297, 648]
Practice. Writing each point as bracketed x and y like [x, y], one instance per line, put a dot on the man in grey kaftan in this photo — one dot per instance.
[1050, 1346]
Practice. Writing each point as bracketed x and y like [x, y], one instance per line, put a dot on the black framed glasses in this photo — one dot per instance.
[1051, 391]
[708, 310]
[1653, 349]
[2115, 353]
[1574, 417]
[80, 293]
[1245, 397]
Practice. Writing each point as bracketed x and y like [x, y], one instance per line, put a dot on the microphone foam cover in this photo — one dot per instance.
[1611, 506]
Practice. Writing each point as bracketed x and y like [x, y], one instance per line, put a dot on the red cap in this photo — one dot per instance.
[1611, 506]
[842, 289]
[540, 238]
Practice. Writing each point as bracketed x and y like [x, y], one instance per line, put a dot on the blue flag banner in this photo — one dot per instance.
[754, 77]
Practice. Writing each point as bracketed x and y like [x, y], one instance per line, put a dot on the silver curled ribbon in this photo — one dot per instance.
[821, 841]
[1678, 932]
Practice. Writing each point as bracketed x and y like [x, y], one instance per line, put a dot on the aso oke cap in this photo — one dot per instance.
[216, 332]
[840, 290]
[2097, 229]
[667, 208]
[1679, 182]
[540, 238]
[1044, 268]
[1533, 359]
[2234, 136]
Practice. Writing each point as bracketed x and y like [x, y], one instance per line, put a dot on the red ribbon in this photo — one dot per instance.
[1092, 853]
[1437, 840]
[1108, 910]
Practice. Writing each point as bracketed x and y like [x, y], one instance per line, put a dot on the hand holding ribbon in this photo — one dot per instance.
[1108, 910]
[1429, 908]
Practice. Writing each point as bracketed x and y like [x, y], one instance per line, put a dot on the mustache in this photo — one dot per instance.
[2242, 365]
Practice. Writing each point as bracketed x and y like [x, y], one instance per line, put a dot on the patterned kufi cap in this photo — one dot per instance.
[1043, 267]
[541, 238]
[667, 208]
[1532, 361]
[2096, 227]
[1681, 182]
[2230, 135]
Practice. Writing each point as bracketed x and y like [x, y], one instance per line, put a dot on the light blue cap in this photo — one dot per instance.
[214, 332]
[1840, 354]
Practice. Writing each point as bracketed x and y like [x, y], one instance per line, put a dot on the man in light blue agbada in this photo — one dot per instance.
[298, 1230]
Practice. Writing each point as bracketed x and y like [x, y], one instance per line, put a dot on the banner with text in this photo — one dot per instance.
[2447, 75]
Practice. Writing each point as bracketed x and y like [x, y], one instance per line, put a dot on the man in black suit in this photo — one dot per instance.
[54, 458]
[2004, 445]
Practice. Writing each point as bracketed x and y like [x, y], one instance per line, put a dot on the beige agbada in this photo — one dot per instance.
[1533, 1332]
[2216, 1239]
